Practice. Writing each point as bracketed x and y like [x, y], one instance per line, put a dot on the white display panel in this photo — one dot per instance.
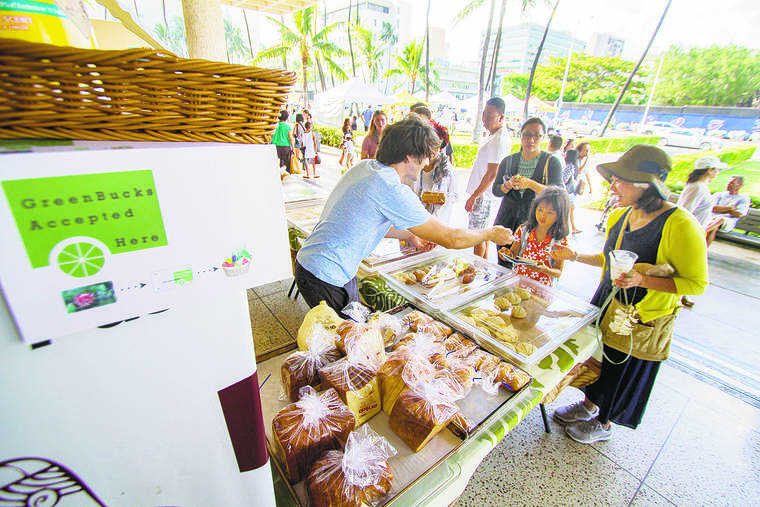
[96, 236]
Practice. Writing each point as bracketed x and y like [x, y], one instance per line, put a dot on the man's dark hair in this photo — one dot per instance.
[415, 105]
[498, 104]
[411, 137]
[423, 110]
[532, 121]
[650, 201]
[555, 142]
[740, 178]
[299, 118]
[284, 115]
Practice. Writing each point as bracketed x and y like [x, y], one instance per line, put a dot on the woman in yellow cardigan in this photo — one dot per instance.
[660, 233]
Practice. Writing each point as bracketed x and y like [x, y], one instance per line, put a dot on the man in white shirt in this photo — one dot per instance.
[729, 207]
[555, 148]
[489, 156]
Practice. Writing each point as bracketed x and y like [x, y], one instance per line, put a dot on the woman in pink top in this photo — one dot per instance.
[376, 126]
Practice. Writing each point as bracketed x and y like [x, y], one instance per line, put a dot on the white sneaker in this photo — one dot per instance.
[589, 432]
[577, 412]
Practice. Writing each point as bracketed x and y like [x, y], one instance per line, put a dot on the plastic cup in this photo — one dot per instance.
[621, 263]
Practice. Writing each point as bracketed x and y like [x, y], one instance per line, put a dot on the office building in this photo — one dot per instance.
[604, 44]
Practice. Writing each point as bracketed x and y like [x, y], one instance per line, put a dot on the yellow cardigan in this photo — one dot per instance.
[683, 246]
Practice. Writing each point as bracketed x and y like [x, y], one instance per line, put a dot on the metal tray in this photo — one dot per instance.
[449, 293]
[408, 467]
[390, 252]
[304, 215]
[295, 189]
[552, 317]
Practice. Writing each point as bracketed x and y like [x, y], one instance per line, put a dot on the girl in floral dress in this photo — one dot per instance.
[547, 226]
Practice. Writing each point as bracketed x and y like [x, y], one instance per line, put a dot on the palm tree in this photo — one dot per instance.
[173, 36]
[389, 37]
[235, 45]
[350, 44]
[371, 51]
[427, 53]
[248, 31]
[535, 60]
[634, 71]
[305, 42]
[410, 64]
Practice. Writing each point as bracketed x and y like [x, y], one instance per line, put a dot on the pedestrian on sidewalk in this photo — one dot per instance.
[637, 324]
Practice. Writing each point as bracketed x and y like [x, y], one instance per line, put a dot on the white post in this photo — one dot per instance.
[567, 70]
[651, 94]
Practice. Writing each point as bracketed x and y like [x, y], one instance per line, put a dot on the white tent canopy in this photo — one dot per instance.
[445, 98]
[329, 106]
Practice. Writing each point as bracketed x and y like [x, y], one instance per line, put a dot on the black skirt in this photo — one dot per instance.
[622, 390]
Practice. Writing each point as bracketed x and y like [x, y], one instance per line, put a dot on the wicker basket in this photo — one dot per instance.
[134, 95]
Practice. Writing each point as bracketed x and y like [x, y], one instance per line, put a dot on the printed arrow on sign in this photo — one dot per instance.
[138, 286]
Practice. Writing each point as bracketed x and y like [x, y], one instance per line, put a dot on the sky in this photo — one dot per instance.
[688, 22]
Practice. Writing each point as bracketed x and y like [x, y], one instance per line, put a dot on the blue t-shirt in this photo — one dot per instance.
[366, 202]
[367, 115]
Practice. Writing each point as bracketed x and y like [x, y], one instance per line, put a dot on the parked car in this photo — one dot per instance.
[738, 135]
[583, 127]
[754, 137]
[717, 133]
[686, 138]
[658, 128]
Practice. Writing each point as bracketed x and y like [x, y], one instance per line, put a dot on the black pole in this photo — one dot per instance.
[633, 72]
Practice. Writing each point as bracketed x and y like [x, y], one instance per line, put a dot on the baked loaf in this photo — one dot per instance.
[305, 429]
[358, 477]
[363, 341]
[389, 377]
[433, 197]
[302, 369]
[508, 375]
[356, 385]
[416, 419]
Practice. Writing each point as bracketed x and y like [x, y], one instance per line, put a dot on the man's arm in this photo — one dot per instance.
[485, 183]
[436, 231]
[729, 210]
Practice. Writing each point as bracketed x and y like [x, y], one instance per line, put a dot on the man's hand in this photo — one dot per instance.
[501, 235]
[470, 203]
[420, 244]
[563, 253]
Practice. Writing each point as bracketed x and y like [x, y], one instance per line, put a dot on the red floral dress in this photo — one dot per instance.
[537, 252]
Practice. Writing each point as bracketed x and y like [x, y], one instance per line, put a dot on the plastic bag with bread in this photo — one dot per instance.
[423, 409]
[302, 368]
[303, 430]
[359, 476]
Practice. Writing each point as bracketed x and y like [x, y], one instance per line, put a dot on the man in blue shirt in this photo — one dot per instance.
[367, 117]
[372, 201]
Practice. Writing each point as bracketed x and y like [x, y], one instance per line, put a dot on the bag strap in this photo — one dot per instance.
[545, 179]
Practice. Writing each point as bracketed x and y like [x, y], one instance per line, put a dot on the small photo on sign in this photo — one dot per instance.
[89, 296]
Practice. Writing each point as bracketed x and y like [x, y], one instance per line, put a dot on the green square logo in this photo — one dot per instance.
[120, 210]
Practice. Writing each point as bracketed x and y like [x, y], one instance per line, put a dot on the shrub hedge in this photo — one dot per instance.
[331, 136]
[684, 164]
[464, 154]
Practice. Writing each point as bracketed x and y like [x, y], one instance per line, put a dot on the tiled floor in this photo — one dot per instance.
[697, 445]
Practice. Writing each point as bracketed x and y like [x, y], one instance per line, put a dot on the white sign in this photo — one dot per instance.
[93, 237]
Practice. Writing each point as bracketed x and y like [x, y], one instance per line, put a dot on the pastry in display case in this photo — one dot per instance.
[440, 280]
[523, 321]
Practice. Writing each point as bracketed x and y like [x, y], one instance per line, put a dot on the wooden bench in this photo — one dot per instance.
[741, 233]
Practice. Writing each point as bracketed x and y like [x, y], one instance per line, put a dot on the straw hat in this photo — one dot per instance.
[643, 163]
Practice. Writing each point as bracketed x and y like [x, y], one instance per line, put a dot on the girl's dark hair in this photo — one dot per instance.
[534, 120]
[696, 174]
[560, 201]
[299, 118]
[307, 125]
[571, 157]
[571, 140]
[346, 125]
[650, 201]
[284, 115]
[413, 136]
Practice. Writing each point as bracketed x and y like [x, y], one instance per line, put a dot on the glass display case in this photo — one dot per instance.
[522, 320]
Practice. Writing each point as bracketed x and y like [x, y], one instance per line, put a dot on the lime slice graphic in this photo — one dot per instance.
[81, 259]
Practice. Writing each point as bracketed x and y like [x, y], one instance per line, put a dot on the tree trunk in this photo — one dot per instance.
[496, 48]
[535, 60]
[204, 29]
[351, 46]
[248, 31]
[284, 56]
[634, 71]
[304, 64]
[427, 54]
[321, 72]
[166, 22]
[481, 79]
